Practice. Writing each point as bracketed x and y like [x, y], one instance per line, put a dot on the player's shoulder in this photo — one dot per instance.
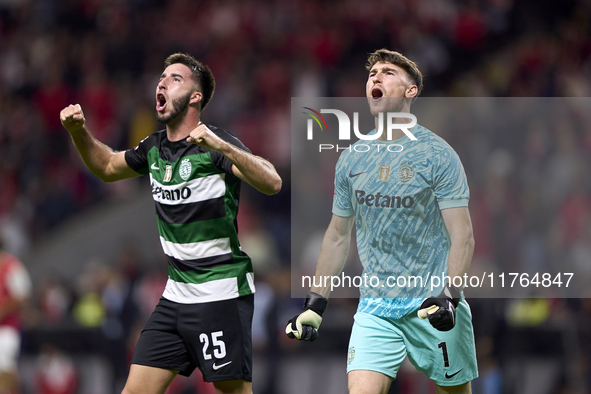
[153, 139]
[222, 133]
[227, 136]
[346, 156]
[430, 142]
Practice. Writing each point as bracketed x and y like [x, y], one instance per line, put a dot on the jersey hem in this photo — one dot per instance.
[342, 212]
[183, 372]
[245, 377]
[208, 301]
[461, 202]
[382, 371]
[448, 383]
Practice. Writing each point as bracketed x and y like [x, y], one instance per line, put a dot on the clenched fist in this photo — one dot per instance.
[72, 118]
[305, 325]
[441, 310]
[203, 136]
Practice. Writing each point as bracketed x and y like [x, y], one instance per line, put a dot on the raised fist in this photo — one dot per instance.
[72, 118]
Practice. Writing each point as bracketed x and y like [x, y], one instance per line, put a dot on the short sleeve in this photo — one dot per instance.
[449, 180]
[341, 202]
[137, 158]
[221, 161]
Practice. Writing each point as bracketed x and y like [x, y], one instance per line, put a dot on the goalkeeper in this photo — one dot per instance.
[411, 214]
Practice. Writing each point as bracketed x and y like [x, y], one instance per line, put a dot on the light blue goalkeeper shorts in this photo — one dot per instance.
[380, 344]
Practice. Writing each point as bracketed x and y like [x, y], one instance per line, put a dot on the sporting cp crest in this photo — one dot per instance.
[351, 355]
[185, 169]
[405, 173]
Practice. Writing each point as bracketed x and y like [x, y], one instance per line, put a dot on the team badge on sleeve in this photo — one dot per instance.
[351, 355]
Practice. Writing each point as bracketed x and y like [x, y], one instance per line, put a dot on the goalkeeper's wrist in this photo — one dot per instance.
[453, 293]
[315, 302]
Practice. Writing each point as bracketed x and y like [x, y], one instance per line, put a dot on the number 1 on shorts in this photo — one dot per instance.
[443, 348]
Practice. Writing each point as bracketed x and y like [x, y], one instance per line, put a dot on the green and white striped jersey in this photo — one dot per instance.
[196, 197]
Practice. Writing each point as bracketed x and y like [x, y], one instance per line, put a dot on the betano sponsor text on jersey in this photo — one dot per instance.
[161, 193]
[383, 200]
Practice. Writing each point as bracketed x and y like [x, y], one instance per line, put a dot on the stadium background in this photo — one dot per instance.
[92, 248]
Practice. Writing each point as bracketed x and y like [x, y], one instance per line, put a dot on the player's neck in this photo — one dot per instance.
[181, 128]
[396, 133]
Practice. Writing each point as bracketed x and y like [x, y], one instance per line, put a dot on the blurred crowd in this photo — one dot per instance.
[531, 198]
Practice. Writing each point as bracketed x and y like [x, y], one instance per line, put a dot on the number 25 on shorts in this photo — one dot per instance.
[219, 347]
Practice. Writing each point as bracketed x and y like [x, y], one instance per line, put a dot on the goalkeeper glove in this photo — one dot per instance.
[441, 310]
[305, 325]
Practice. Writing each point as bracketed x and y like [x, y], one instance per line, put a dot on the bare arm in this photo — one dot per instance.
[254, 170]
[441, 310]
[459, 226]
[334, 250]
[101, 160]
[332, 257]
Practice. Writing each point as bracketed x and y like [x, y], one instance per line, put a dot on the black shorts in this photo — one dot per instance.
[213, 336]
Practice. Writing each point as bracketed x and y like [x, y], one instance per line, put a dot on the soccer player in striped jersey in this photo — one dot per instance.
[204, 318]
[410, 209]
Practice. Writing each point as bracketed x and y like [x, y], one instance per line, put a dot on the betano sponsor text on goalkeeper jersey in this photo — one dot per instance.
[397, 198]
[196, 197]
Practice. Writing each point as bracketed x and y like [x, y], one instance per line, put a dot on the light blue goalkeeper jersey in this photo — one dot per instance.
[397, 198]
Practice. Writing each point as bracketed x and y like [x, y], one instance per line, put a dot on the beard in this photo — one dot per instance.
[179, 108]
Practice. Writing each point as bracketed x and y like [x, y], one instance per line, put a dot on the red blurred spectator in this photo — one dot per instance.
[51, 97]
[98, 98]
[15, 287]
[56, 373]
[470, 29]
[575, 216]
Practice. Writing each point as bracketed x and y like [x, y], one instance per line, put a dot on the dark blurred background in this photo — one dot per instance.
[92, 248]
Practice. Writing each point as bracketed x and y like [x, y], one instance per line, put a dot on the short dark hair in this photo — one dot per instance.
[410, 67]
[199, 72]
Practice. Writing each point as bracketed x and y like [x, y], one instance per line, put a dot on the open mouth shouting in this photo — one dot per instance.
[160, 102]
[376, 93]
